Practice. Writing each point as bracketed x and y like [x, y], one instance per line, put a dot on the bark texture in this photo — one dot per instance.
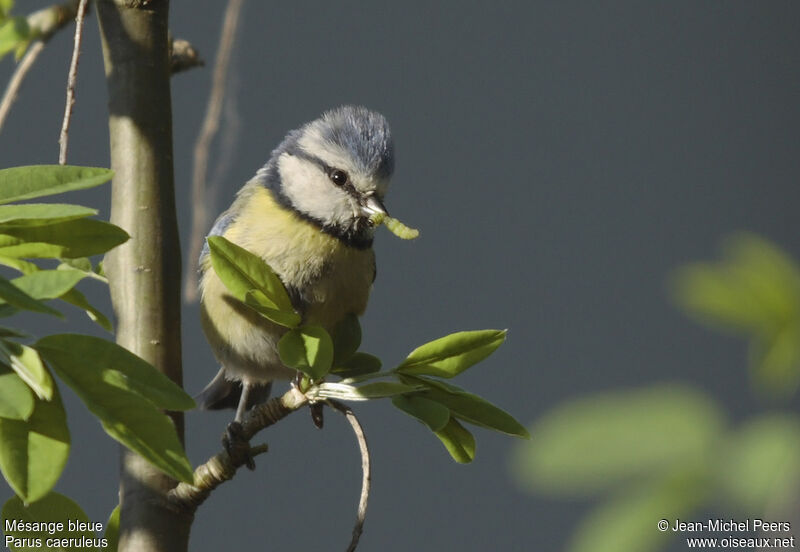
[145, 273]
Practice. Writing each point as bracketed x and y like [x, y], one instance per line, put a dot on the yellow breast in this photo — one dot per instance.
[333, 278]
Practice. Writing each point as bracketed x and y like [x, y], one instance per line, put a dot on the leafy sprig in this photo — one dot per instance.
[122, 390]
[415, 386]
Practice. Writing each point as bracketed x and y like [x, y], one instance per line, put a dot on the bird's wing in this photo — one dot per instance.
[220, 225]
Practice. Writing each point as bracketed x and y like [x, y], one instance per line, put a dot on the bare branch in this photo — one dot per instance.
[46, 22]
[366, 477]
[201, 148]
[71, 80]
[10, 95]
[223, 466]
[43, 24]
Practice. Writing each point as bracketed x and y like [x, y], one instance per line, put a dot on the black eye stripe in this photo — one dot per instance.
[327, 169]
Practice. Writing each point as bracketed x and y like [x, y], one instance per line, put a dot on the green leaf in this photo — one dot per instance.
[74, 351]
[754, 288]
[358, 364]
[458, 441]
[11, 247]
[26, 362]
[771, 275]
[450, 355]
[37, 214]
[18, 264]
[34, 452]
[15, 297]
[75, 297]
[775, 360]
[10, 332]
[73, 238]
[112, 531]
[5, 8]
[472, 408]
[22, 46]
[308, 349]
[13, 31]
[762, 463]
[80, 263]
[429, 412]
[16, 399]
[48, 284]
[256, 300]
[53, 508]
[381, 389]
[119, 388]
[715, 296]
[241, 271]
[346, 338]
[629, 520]
[20, 183]
[596, 443]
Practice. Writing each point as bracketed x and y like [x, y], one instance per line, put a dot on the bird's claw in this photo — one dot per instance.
[236, 445]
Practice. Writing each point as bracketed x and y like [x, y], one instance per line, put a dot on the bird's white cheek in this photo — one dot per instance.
[312, 193]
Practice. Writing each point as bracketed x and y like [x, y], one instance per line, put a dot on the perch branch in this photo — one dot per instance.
[201, 147]
[71, 80]
[358, 528]
[223, 466]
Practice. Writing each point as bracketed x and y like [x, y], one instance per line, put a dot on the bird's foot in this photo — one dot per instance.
[235, 444]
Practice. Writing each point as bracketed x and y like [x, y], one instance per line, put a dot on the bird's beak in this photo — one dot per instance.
[372, 206]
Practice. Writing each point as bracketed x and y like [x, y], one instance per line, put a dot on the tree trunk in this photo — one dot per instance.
[145, 273]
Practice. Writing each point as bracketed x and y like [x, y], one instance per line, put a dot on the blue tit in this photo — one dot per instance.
[306, 213]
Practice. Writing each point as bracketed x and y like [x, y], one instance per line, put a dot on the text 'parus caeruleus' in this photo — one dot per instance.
[306, 213]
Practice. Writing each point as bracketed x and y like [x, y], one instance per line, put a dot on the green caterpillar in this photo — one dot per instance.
[394, 226]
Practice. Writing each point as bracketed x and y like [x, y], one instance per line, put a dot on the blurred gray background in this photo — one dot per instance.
[560, 160]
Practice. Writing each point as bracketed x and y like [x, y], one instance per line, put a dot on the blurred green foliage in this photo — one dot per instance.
[15, 33]
[754, 290]
[668, 451]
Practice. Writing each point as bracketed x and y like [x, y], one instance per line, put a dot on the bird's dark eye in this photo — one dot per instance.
[338, 177]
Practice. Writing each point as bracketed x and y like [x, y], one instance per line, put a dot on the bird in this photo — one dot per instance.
[306, 213]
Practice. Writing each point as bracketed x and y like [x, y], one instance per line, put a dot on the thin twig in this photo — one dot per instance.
[358, 528]
[43, 24]
[201, 148]
[19, 75]
[71, 80]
